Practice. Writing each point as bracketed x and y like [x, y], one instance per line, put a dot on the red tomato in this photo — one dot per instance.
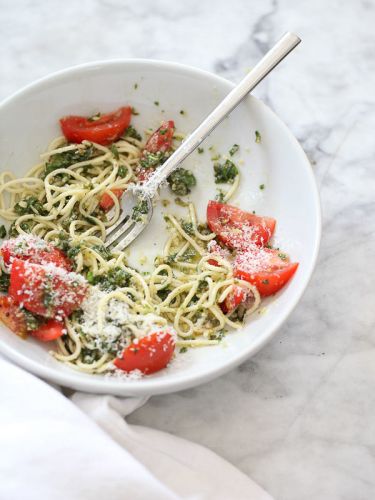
[149, 354]
[12, 316]
[144, 174]
[236, 228]
[161, 139]
[236, 297]
[265, 269]
[214, 247]
[51, 330]
[46, 290]
[106, 201]
[107, 129]
[34, 249]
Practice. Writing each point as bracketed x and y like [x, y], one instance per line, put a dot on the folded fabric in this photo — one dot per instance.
[52, 450]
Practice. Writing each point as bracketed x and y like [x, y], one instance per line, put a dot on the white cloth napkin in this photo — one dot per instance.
[49, 449]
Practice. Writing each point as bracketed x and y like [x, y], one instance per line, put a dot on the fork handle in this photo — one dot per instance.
[275, 55]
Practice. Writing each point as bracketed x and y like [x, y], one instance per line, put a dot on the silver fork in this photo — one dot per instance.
[128, 227]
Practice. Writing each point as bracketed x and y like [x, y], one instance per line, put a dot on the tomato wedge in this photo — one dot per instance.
[237, 296]
[159, 141]
[46, 290]
[149, 354]
[35, 250]
[265, 268]
[51, 330]
[236, 228]
[105, 130]
[12, 316]
[106, 201]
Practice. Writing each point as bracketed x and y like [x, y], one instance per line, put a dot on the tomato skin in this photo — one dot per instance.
[106, 201]
[236, 297]
[161, 139]
[28, 287]
[215, 248]
[107, 129]
[30, 251]
[149, 355]
[51, 330]
[144, 174]
[236, 228]
[12, 316]
[269, 282]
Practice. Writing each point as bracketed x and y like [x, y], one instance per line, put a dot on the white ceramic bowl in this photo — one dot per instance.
[29, 120]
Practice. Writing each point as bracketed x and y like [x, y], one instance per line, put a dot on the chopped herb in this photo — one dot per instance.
[156, 103]
[114, 151]
[4, 282]
[122, 171]
[254, 212]
[13, 233]
[189, 255]
[200, 151]
[3, 231]
[63, 241]
[25, 226]
[135, 86]
[265, 282]
[216, 157]
[139, 210]
[218, 335]
[262, 186]
[77, 315]
[165, 203]
[32, 322]
[115, 278]
[132, 132]
[282, 256]
[48, 293]
[220, 196]
[103, 251]
[225, 172]
[183, 349]
[180, 202]
[188, 227]
[163, 131]
[67, 158]
[73, 252]
[29, 205]
[202, 286]
[233, 150]
[134, 112]
[181, 181]
[170, 259]
[182, 112]
[90, 220]
[163, 293]
[153, 159]
[258, 137]
[94, 118]
[204, 229]
[90, 277]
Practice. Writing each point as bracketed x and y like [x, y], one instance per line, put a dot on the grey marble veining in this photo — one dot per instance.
[299, 416]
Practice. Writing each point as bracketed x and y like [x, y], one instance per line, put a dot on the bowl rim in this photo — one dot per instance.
[180, 382]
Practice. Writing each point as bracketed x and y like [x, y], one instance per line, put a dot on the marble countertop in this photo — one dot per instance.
[299, 416]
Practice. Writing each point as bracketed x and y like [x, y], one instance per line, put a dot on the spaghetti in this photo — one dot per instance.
[59, 201]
